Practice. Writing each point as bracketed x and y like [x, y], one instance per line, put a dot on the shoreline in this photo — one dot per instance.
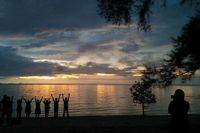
[99, 124]
[175, 84]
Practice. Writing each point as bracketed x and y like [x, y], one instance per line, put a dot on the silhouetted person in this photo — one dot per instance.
[37, 107]
[178, 108]
[6, 104]
[10, 110]
[56, 105]
[46, 107]
[28, 107]
[65, 106]
[19, 108]
[3, 108]
[0, 106]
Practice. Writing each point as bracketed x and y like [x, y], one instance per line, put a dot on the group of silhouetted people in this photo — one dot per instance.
[178, 108]
[6, 107]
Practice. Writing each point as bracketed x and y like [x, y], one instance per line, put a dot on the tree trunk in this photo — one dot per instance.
[142, 109]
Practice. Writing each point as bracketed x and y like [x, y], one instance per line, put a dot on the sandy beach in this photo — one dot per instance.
[99, 124]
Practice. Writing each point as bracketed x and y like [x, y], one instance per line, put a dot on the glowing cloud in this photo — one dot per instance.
[137, 72]
[105, 74]
[37, 77]
[66, 76]
[58, 76]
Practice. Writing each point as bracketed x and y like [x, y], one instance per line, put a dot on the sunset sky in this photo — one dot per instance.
[65, 41]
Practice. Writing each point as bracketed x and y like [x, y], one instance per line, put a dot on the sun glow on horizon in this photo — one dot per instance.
[37, 77]
[67, 76]
[58, 76]
[105, 74]
[137, 72]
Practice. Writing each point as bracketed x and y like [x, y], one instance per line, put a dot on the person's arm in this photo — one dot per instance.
[52, 97]
[63, 97]
[24, 99]
[49, 100]
[68, 96]
[59, 98]
[41, 99]
[32, 99]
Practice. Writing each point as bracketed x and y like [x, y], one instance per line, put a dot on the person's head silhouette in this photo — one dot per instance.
[5, 96]
[179, 95]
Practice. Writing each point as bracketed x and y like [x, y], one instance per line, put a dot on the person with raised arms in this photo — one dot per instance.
[28, 106]
[56, 105]
[37, 107]
[66, 105]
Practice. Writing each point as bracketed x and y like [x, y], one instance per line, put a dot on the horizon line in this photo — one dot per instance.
[174, 84]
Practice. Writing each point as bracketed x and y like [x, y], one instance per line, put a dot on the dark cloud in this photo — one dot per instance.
[129, 48]
[13, 64]
[30, 16]
[140, 58]
[127, 60]
[52, 52]
[95, 48]
[42, 42]
[93, 68]
[49, 38]
[72, 31]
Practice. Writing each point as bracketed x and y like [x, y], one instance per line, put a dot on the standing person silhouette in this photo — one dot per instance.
[66, 105]
[56, 105]
[19, 108]
[178, 108]
[28, 107]
[37, 107]
[0, 107]
[46, 107]
[6, 109]
[10, 109]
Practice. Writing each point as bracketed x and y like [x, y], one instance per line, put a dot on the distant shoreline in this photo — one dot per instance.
[64, 84]
[178, 84]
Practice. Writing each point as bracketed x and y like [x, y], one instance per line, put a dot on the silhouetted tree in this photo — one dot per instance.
[184, 59]
[122, 11]
[116, 11]
[142, 90]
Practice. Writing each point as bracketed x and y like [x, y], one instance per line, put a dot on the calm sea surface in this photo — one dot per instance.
[100, 99]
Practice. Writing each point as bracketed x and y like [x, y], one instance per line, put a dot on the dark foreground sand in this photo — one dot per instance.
[99, 124]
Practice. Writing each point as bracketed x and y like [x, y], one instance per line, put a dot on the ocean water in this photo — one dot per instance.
[92, 100]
